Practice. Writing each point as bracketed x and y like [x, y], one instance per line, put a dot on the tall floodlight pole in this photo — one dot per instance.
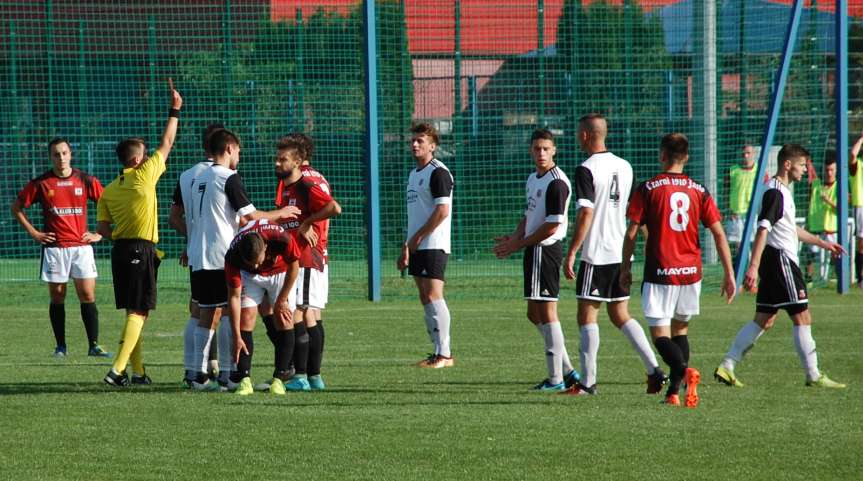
[843, 268]
[373, 202]
[767, 140]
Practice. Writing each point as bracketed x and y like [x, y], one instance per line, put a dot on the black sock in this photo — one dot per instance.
[683, 343]
[858, 266]
[90, 316]
[285, 353]
[57, 314]
[321, 328]
[244, 363]
[672, 356]
[301, 348]
[271, 333]
[316, 350]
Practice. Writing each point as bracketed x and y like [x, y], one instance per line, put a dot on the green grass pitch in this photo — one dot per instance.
[382, 418]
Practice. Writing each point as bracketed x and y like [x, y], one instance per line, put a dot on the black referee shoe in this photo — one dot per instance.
[116, 380]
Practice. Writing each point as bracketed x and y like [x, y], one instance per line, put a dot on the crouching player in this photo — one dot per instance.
[261, 263]
[670, 206]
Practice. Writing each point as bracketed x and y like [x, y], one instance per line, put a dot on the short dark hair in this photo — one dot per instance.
[790, 151]
[427, 130]
[220, 139]
[829, 157]
[205, 135]
[127, 148]
[541, 134]
[300, 143]
[56, 141]
[675, 146]
[250, 247]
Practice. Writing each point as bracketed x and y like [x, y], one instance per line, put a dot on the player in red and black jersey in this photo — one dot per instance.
[670, 206]
[302, 186]
[63, 193]
[262, 263]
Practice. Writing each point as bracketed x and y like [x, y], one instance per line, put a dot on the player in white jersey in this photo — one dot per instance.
[603, 184]
[218, 204]
[427, 248]
[184, 225]
[773, 264]
[540, 233]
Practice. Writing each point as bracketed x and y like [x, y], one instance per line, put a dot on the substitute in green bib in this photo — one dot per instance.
[822, 218]
[741, 181]
[857, 202]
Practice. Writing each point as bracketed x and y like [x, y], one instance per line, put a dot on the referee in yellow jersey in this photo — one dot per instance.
[127, 214]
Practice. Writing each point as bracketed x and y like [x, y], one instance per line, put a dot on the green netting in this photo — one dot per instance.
[484, 73]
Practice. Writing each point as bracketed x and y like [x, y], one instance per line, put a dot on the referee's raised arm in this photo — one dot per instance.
[170, 132]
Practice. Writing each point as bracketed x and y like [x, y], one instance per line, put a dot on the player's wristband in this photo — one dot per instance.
[174, 113]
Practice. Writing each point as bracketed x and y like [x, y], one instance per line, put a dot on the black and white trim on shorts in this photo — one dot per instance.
[599, 283]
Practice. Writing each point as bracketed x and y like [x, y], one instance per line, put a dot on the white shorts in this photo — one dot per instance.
[858, 221]
[313, 287]
[61, 263]
[256, 287]
[661, 302]
[734, 229]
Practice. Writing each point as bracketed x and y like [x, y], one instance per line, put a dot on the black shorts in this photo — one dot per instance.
[599, 283]
[209, 288]
[429, 263]
[780, 284]
[542, 271]
[135, 267]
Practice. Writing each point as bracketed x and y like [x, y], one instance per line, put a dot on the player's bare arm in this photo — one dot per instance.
[626, 259]
[583, 221]
[234, 313]
[855, 151]
[279, 215]
[750, 280]
[305, 230]
[177, 220]
[808, 238]
[170, 133]
[281, 310]
[438, 215]
[506, 245]
[91, 237]
[104, 229]
[729, 284]
[36, 234]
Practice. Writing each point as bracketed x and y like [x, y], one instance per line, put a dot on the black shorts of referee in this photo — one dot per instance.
[135, 267]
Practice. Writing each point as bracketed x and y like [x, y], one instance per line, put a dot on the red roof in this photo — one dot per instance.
[500, 27]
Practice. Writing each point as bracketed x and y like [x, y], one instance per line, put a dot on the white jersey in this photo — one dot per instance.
[603, 182]
[218, 200]
[778, 217]
[427, 188]
[547, 201]
[183, 195]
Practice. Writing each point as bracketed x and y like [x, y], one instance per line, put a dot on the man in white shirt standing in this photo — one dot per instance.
[427, 248]
[602, 187]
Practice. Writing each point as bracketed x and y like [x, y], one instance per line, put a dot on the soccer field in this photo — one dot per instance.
[382, 418]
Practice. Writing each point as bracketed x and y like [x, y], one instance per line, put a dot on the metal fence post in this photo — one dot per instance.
[843, 271]
[372, 139]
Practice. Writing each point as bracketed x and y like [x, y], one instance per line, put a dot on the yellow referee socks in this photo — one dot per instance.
[128, 341]
[137, 358]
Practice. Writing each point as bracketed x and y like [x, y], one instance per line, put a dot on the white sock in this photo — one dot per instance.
[554, 343]
[225, 343]
[588, 350]
[203, 337]
[431, 325]
[805, 345]
[189, 345]
[442, 320]
[633, 331]
[564, 358]
[744, 341]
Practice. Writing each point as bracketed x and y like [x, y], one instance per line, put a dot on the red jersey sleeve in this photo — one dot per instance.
[710, 213]
[292, 250]
[232, 275]
[635, 210]
[95, 189]
[319, 195]
[29, 194]
[279, 189]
